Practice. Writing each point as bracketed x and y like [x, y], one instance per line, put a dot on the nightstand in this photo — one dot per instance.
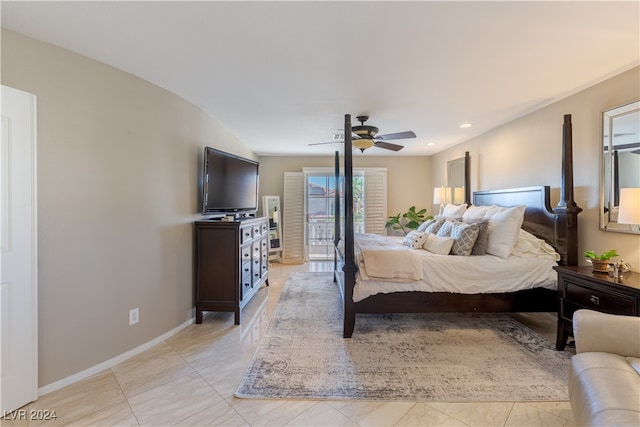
[579, 287]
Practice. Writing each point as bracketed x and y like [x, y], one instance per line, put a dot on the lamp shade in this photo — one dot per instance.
[439, 196]
[629, 207]
[362, 143]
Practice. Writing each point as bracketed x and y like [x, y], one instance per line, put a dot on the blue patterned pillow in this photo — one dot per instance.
[434, 226]
[425, 224]
[445, 228]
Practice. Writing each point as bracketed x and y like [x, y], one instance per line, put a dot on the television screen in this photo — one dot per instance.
[230, 183]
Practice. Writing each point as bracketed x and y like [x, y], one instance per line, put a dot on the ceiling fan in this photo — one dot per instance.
[366, 136]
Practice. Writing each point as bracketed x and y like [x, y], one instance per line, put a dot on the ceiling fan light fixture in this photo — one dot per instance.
[365, 131]
[362, 143]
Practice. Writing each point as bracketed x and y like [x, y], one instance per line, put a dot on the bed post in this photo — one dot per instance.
[567, 207]
[467, 178]
[349, 268]
[336, 233]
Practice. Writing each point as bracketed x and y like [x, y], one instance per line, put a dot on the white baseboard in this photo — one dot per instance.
[111, 362]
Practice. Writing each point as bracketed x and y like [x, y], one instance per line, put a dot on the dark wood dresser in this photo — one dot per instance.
[580, 287]
[231, 264]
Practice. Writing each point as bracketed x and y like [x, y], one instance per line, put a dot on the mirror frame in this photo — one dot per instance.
[462, 164]
[608, 164]
[269, 205]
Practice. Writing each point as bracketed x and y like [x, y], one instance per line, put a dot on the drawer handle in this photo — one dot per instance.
[595, 300]
[246, 255]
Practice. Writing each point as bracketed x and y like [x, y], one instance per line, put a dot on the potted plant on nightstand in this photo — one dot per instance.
[601, 261]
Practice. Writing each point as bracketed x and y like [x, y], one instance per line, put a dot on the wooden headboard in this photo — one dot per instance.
[540, 219]
[557, 226]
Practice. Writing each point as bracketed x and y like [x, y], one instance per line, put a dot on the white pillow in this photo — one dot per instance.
[454, 211]
[504, 227]
[414, 239]
[475, 212]
[438, 245]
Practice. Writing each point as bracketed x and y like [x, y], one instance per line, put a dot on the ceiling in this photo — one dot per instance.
[281, 75]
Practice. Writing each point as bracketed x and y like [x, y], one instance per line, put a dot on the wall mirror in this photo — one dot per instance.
[620, 168]
[458, 180]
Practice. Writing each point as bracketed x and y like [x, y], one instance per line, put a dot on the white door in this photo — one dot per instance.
[18, 266]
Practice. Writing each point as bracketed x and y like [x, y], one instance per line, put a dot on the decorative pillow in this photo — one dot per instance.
[445, 229]
[425, 224]
[503, 230]
[438, 245]
[414, 239]
[480, 246]
[454, 211]
[435, 226]
[464, 236]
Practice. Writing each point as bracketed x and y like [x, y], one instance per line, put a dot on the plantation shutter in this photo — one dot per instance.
[375, 200]
[293, 217]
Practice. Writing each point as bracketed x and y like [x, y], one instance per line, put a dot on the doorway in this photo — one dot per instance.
[321, 213]
[19, 265]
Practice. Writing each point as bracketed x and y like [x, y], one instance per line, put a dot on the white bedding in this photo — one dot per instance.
[450, 273]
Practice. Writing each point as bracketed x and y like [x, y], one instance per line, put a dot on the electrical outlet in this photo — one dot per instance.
[134, 316]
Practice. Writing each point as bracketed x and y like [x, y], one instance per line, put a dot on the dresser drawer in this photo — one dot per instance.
[245, 234]
[246, 253]
[595, 299]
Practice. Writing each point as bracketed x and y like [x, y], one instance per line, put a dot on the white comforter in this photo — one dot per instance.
[444, 273]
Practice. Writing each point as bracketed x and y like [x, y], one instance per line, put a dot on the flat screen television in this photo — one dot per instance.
[229, 184]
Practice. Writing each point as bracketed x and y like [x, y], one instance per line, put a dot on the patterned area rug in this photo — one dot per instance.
[416, 357]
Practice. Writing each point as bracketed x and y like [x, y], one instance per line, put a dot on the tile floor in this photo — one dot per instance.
[190, 379]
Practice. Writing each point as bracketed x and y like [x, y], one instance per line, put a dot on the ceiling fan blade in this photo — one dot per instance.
[397, 135]
[323, 143]
[388, 146]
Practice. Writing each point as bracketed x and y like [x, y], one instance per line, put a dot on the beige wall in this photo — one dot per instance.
[118, 162]
[408, 178]
[527, 152]
[117, 178]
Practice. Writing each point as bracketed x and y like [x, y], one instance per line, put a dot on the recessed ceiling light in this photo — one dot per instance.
[465, 125]
[432, 143]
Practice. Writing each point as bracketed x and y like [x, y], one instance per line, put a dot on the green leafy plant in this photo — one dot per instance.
[604, 256]
[409, 220]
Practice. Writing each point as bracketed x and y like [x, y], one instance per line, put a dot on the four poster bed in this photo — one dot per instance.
[425, 282]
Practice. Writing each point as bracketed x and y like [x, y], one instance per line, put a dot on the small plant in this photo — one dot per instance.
[604, 256]
[409, 220]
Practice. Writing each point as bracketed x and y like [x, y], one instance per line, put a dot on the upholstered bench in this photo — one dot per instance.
[604, 379]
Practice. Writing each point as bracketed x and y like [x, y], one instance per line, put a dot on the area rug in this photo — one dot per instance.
[407, 357]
